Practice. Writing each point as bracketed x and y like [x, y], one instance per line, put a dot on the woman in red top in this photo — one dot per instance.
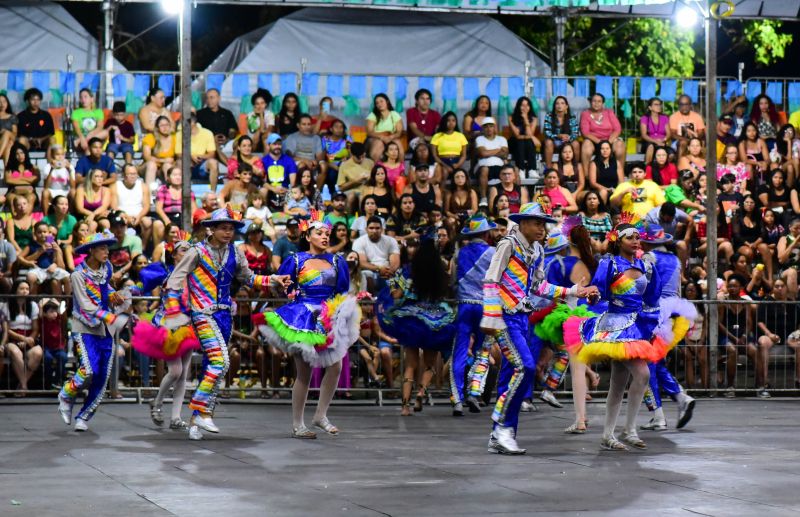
[598, 124]
[517, 196]
[258, 256]
[661, 170]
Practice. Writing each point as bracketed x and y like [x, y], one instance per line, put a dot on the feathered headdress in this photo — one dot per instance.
[570, 223]
[629, 223]
[183, 237]
[315, 219]
[544, 201]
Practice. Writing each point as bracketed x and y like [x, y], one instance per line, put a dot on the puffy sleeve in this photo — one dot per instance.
[602, 278]
[541, 287]
[492, 305]
[342, 275]
[176, 283]
[150, 277]
[290, 267]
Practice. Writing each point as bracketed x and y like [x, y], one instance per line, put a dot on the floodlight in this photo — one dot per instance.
[686, 17]
[172, 7]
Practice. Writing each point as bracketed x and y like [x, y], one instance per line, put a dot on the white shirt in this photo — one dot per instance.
[498, 142]
[131, 200]
[377, 253]
[21, 322]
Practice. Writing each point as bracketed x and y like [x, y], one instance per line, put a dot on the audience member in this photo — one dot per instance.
[35, 130]
[378, 186]
[20, 226]
[395, 167]
[339, 213]
[123, 253]
[59, 177]
[570, 171]
[155, 108]
[158, 152]
[336, 146]
[654, 129]
[524, 143]
[730, 164]
[661, 170]
[218, 120]
[8, 259]
[54, 344]
[120, 133]
[517, 195]
[237, 191]
[79, 233]
[473, 119]
[93, 199]
[354, 172]
[21, 176]
[605, 171]
[242, 158]
[788, 254]
[403, 224]
[384, 125]
[87, 121]
[324, 120]
[131, 198]
[9, 126]
[422, 162]
[675, 222]
[596, 220]
[21, 325]
[764, 115]
[492, 151]
[203, 155]
[774, 324]
[421, 120]
[424, 194]
[686, 124]
[258, 256]
[753, 151]
[288, 117]
[560, 128]
[59, 221]
[306, 149]
[378, 255]
[340, 239]
[788, 147]
[45, 262]
[693, 158]
[599, 125]
[280, 170]
[286, 244]
[559, 196]
[258, 213]
[260, 121]
[460, 201]
[637, 195]
[369, 208]
[96, 160]
[169, 198]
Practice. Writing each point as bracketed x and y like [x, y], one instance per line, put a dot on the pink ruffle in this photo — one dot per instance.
[572, 334]
[149, 340]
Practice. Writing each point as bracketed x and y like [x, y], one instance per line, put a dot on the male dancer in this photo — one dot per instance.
[514, 286]
[471, 264]
[207, 270]
[668, 266]
[93, 327]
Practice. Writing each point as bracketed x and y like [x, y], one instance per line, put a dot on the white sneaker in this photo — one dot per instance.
[504, 441]
[65, 410]
[685, 409]
[547, 396]
[81, 425]
[528, 407]
[458, 409]
[483, 202]
[205, 422]
[764, 394]
[654, 425]
[194, 433]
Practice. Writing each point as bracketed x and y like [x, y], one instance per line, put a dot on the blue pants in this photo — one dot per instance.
[95, 358]
[660, 378]
[60, 358]
[518, 370]
[468, 323]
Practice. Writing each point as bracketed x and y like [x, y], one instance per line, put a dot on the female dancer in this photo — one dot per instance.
[172, 341]
[318, 325]
[411, 310]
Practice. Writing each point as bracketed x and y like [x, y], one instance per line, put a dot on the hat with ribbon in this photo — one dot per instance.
[224, 215]
[654, 234]
[477, 224]
[531, 211]
[92, 241]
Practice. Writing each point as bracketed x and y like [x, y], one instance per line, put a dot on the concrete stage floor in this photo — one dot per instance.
[737, 457]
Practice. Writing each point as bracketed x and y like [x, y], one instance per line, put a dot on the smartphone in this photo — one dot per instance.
[326, 107]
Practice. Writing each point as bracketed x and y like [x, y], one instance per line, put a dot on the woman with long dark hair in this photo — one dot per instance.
[654, 128]
[753, 151]
[523, 142]
[449, 147]
[378, 186]
[412, 310]
[9, 124]
[473, 119]
[260, 121]
[571, 173]
[244, 158]
[765, 116]
[21, 324]
[661, 170]
[289, 115]
[384, 125]
[560, 128]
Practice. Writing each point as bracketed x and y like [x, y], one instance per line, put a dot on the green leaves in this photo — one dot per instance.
[765, 39]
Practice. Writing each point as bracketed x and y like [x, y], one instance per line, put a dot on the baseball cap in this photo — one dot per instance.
[117, 219]
[726, 120]
[487, 121]
[273, 137]
[293, 222]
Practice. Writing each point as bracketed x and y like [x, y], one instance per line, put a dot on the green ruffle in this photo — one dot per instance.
[293, 335]
[551, 327]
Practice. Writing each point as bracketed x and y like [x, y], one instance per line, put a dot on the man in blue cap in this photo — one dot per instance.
[515, 286]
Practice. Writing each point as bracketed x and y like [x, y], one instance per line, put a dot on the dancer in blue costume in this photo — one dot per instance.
[514, 287]
[471, 263]
[318, 326]
[94, 324]
[411, 309]
[675, 316]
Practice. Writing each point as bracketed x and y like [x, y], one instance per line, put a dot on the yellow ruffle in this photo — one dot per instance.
[680, 326]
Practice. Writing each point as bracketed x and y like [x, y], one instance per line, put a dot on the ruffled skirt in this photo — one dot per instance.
[161, 343]
[425, 325]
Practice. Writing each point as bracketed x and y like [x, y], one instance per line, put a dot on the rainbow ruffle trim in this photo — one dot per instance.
[290, 334]
[160, 343]
[551, 328]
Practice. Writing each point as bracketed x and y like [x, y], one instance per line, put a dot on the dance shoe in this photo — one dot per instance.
[504, 442]
[65, 410]
[685, 410]
[547, 396]
[81, 425]
[194, 433]
[654, 425]
[205, 423]
[473, 404]
[458, 409]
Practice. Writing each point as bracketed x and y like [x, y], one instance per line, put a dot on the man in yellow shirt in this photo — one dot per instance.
[637, 195]
[203, 150]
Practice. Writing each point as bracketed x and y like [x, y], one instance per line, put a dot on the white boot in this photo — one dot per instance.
[204, 422]
[81, 425]
[65, 410]
[505, 443]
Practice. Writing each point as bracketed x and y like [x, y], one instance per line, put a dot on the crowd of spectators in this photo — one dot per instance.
[377, 194]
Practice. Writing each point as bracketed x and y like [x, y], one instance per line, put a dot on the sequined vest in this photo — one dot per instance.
[210, 283]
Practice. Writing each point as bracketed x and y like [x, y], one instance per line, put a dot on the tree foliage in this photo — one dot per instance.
[766, 40]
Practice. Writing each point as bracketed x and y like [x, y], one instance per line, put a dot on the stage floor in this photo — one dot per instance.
[737, 457]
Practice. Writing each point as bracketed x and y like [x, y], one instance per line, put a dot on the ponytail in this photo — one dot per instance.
[580, 238]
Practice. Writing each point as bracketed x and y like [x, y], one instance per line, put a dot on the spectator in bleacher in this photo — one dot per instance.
[421, 120]
[724, 137]
[404, 222]
[736, 108]
[764, 115]
[170, 197]
[686, 124]
[96, 160]
[218, 120]
[605, 171]
[424, 193]
[747, 231]
[280, 170]
[684, 194]
[560, 128]
[570, 171]
[21, 176]
[339, 213]
[449, 148]
[124, 252]
[378, 255]
[384, 125]
[693, 158]
[596, 219]
[731, 164]
[395, 167]
[735, 329]
[54, 343]
[260, 121]
[662, 171]
[209, 201]
[258, 256]
[637, 195]
[121, 134]
[788, 254]
[379, 187]
[336, 146]
[158, 151]
[244, 158]
[9, 124]
[654, 129]
[491, 150]
[340, 239]
[473, 119]
[756, 285]
[237, 191]
[20, 226]
[306, 149]
[296, 202]
[771, 229]
[696, 346]
[258, 213]
[60, 222]
[8, 258]
[354, 172]
[599, 124]
[559, 196]
[87, 121]
[517, 195]
[45, 262]
[500, 207]
[36, 130]
[779, 197]
[155, 108]
[422, 162]
[286, 244]
[289, 115]
[305, 180]
[171, 236]
[369, 208]
[93, 200]
[788, 145]
[204, 152]
[79, 233]
[130, 196]
[753, 150]
[775, 323]
[460, 200]
[21, 329]
[59, 177]
[523, 144]
[324, 120]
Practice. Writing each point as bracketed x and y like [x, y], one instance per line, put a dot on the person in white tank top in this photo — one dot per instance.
[131, 197]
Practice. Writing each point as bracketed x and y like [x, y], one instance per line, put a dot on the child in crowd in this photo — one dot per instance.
[59, 176]
[120, 133]
[54, 341]
[298, 204]
[257, 211]
[46, 261]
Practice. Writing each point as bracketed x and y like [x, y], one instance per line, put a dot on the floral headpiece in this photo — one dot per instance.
[315, 219]
[182, 238]
[629, 224]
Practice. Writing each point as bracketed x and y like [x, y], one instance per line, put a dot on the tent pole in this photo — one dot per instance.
[561, 21]
[107, 90]
[711, 175]
[185, 51]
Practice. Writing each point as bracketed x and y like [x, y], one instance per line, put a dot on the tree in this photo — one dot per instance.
[763, 38]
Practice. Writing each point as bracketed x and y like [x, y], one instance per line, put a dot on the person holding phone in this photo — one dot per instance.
[686, 124]
[45, 261]
[324, 120]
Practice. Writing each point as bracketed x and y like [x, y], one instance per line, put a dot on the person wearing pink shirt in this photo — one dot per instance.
[598, 124]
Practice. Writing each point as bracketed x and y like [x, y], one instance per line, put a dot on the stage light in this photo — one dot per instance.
[172, 7]
[686, 17]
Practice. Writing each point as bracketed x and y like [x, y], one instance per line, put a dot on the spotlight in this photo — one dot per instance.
[172, 7]
[686, 17]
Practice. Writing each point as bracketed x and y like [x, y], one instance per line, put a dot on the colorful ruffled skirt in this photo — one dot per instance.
[320, 333]
[418, 324]
[158, 342]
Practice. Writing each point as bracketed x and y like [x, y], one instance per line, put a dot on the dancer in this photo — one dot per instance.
[573, 263]
[624, 333]
[471, 263]
[205, 274]
[94, 324]
[411, 309]
[172, 340]
[514, 286]
[671, 307]
[318, 325]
